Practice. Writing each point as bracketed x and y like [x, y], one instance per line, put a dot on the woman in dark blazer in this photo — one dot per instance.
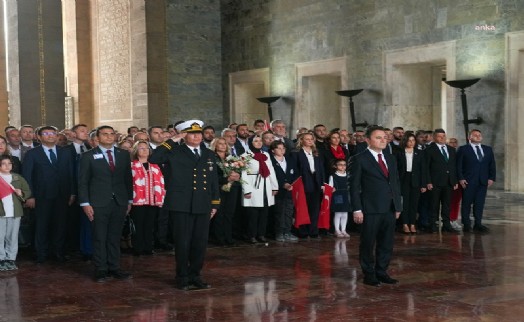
[333, 151]
[412, 175]
[311, 168]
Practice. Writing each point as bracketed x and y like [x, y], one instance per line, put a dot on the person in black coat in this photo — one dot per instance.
[105, 193]
[286, 173]
[476, 171]
[230, 189]
[49, 170]
[441, 172]
[411, 169]
[311, 168]
[333, 151]
[376, 204]
[192, 197]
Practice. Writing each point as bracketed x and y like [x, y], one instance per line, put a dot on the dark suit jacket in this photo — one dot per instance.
[45, 180]
[418, 169]
[311, 182]
[98, 185]
[193, 184]
[470, 169]
[371, 191]
[359, 148]
[440, 172]
[329, 158]
[289, 176]
[239, 148]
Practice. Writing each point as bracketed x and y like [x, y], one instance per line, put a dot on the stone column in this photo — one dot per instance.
[78, 59]
[4, 106]
[36, 64]
[119, 63]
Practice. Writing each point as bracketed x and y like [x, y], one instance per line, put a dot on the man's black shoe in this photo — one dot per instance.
[120, 275]
[481, 229]
[466, 228]
[182, 286]
[449, 229]
[200, 285]
[371, 280]
[100, 276]
[387, 279]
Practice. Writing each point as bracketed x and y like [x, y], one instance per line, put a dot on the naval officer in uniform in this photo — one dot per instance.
[192, 197]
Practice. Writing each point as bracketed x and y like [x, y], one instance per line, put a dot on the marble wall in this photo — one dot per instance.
[278, 34]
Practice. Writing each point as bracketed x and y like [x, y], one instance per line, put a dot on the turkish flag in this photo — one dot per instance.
[5, 188]
[266, 125]
[325, 207]
[299, 200]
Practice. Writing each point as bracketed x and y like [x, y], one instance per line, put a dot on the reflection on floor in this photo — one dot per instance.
[447, 277]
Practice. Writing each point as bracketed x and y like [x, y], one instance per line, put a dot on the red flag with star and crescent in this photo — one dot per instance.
[299, 200]
[325, 207]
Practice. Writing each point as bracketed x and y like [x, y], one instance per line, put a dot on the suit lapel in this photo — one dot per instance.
[44, 155]
[374, 162]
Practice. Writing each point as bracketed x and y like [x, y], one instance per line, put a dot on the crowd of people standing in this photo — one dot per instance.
[177, 185]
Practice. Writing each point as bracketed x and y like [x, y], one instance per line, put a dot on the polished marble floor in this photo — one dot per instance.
[447, 277]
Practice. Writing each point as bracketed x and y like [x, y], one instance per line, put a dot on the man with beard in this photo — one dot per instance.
[242, 137]
[208, 133]
[398, 133]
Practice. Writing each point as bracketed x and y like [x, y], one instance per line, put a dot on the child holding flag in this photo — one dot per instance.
[13, 192]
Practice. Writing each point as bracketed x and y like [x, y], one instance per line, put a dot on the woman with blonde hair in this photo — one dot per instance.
[310, 167]
[222, 226]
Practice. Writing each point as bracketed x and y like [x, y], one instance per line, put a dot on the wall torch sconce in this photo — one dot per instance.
[463, 84]
[268, 100]
[350, 93]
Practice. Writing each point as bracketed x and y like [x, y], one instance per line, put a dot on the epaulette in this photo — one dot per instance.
[167, 145]
[215, 202]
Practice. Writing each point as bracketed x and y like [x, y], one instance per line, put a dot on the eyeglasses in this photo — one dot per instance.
[48, 133]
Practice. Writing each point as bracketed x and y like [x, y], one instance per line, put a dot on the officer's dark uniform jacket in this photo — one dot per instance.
[193, 183]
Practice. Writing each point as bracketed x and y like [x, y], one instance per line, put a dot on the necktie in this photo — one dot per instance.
[233, 151]
[52, 156]
[82, 150]
[479, 153]
[196, 153]
[111, 161]
[444, 153]
[383, 165]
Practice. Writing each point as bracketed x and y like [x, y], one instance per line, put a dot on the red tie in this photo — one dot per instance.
[111, 162]
[383, 165]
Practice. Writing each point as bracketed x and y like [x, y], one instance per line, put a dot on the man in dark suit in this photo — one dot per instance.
[105, 193]
[78, 223]
[242, 138]
[441, 173]
[192, 197]
[278, 127]
[49, 171]
[476, 171]
[376, 204]
[234, 148]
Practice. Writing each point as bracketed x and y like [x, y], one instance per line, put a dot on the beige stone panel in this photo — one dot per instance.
[411, 78]
[306, 101]
[120, 63]
[514, 112]
[249, 108]
[245, 87]
[324, 103]
[413, 117]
